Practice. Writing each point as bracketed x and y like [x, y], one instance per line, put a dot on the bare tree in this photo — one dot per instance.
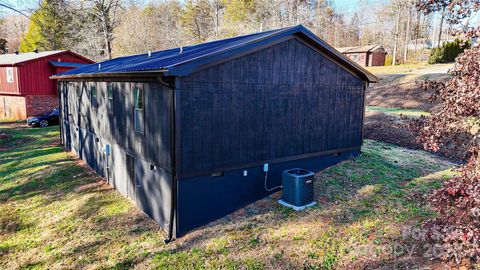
[154, 27]
[14, 29]
[395, 42]
[454, 12]
[397, 7]
[105, 11]
[409, 6]
[217, 6]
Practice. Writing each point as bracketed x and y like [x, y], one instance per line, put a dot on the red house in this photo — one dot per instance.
[25, 86]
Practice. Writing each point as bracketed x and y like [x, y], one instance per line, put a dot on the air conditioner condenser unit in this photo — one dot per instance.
[298, 186]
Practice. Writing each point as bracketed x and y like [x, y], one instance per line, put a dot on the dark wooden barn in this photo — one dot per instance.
[185, 132]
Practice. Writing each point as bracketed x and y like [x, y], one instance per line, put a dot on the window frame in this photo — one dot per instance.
[78, 89]
[93, 94]
[110, 97]
[10, 77]
[138, 112]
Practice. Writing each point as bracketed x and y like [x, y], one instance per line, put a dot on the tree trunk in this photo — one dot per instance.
[109, 49]
[407, 33]
[417, 31]
[441, 26]
[217, 20]
[434, 29]
[108, 43]
[394, 61]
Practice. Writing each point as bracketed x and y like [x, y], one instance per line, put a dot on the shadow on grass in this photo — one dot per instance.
[20, 135]
[56, 175]
[27, 152]
[14, 165]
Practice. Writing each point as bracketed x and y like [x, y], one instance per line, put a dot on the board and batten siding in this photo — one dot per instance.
[139, 165]
[7, 87]
[116, 126]
[282, 101]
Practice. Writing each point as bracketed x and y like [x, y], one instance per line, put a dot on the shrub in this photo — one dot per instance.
[447, 52]
[388, 60]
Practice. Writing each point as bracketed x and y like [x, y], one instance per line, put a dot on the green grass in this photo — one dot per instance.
[402, 68]
[11, 120]
[398, 111]
[56, 214]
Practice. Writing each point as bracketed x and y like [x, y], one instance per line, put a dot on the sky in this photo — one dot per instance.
[346, 7]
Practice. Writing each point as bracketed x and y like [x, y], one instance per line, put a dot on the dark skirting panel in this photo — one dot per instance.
[206, 198]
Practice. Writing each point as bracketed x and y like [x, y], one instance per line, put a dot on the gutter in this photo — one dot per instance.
[109, 74]
[173, 195]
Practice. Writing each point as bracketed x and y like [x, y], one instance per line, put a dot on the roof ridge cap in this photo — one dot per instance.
[273, 33]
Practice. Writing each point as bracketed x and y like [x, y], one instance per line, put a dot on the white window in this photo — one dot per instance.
[93, 94]
[110, 96]
[138, 120]
[9, 74]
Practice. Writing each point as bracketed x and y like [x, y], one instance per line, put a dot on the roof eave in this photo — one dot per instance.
[109, 75]
[50, 55]
[40, 57]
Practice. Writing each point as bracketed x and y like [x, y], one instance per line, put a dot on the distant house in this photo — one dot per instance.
[419, 44]
[190, 133]
[365, 56]
[25, 87]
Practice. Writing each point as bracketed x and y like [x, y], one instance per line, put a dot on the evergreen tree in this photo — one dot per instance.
[238, 10]
[33, 37]
[3, 46]
[197, 19]
[48, 27]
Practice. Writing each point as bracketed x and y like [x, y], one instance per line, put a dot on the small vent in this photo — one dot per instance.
[217, 174]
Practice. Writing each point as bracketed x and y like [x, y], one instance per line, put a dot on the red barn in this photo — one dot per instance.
[25, 86]
[366, 56]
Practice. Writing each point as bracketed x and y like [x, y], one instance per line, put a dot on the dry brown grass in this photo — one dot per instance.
[397, 88]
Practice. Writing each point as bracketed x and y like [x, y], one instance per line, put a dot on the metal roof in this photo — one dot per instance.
[12, 58]
[185, 60]
[359, 49]
[66, 64]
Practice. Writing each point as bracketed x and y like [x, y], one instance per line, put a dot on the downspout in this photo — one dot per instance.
[173, 195]
[364, 108]
[60, 94]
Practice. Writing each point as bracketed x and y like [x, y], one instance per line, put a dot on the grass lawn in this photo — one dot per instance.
[418, 68]
[56, 214]
[402, 68]
[398, 111]
[10, 120]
